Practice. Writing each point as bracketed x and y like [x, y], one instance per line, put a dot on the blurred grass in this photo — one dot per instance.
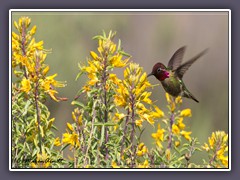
[149, 38]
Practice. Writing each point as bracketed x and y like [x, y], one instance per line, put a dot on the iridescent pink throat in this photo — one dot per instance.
[164, 75]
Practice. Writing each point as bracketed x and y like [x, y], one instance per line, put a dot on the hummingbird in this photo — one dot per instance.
[171, 76]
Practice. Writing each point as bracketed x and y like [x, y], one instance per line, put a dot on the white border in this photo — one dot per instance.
[121, 10]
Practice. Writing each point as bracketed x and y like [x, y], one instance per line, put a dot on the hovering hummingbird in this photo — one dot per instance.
[171, 76]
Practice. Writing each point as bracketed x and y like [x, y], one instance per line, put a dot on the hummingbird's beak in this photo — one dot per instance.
[150, 74]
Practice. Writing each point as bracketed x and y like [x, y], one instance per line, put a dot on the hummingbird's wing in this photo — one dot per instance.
[184, 67]
[176, 59]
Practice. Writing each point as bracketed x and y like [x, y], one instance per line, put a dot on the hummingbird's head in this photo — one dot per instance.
[159, 71]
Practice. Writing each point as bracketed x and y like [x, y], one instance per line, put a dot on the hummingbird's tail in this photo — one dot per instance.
[192, 97]
[189, 95]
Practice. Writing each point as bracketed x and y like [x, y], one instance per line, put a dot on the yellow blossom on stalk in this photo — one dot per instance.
[206, 147]
[49, 83]
[172, 105]
[139, 122]
[178, 100]
[159, 113]
[71, 139]
[218, 145]
[176, 143]
[42, 161]
[175, 129]
[114, 165]
[119, 116]
[141, 150]
[114, 79]
[57, 142]
[168, 98]
[186, 135]
[158, 136]
[145, 164]
[131, 93]
[180, 123]
[168, 154]
[186, 113]
[94, 55]
[26, 86]
[45, 70]
[70, 127]
[116, 61]
[29, 55]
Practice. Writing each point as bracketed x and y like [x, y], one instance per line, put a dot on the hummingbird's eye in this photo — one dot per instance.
[159, 70]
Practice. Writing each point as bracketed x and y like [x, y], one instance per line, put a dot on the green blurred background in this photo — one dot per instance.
[149, 37]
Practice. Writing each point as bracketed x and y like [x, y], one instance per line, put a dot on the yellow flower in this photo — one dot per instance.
[224, 160]
[45, 70]
[139, 122]
[186, 135]
[158, 136]
[178, 100]
[175, 129]
[144, 165]
[186, 113]
[70, 127]
[57, 142]
[168, 154]
[52, 94]
[142, 149]
[119, 116]
[117, 61]
[206, 147]
[211, 141]
[168, 98]
[33, 30]
[145, 97]
[71, 139]
[177, 143]
[42, 161]
[26, 86]
[94, 55]
[218, 144]
[159, 112]
[147, 117]
[119, 100]
[180, 123]
[114, 79]
[114, 165]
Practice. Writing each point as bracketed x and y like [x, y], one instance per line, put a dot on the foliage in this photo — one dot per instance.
[32, 127]
[107, 130]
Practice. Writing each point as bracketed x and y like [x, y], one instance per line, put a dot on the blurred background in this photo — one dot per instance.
[149, 37]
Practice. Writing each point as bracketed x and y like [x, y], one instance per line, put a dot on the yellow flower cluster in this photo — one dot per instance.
[218, 144]
[159, 136]
[29, 56]
[178, 125]
[42, 161]
[71, 137]
[145, 164]
[142, 149]
[108, 56]
[131, 94]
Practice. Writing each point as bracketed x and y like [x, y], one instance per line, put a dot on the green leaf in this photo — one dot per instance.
[78, 75]
[124, 53]
[109, 124]
[41, 130]
[78, 104]
[119, 45]
[64, 147]
[102, 135]
[26, 107]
